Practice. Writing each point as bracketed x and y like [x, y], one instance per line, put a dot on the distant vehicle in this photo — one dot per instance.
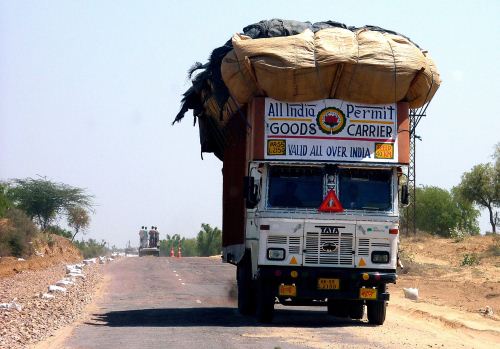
[149, 243]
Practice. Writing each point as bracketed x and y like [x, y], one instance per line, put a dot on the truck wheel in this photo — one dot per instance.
[376, 312]
[337, 307]
[246, 292]
[356, 310]
[265, 302]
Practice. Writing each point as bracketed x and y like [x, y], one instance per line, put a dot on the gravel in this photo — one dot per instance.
[41, 317]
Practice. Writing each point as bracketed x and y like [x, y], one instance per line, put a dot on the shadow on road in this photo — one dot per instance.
[221, 317]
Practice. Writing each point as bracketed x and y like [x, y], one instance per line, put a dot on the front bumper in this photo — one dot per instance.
[306, 281]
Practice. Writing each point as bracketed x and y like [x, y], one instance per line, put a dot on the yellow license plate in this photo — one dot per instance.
[288, 290]
[368, 293]
[384, 151]
[328, 284]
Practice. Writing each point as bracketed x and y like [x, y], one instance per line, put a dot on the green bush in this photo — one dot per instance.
[16, 234]
[458, 235]
[91, 248]
[470, 259]
[54, 229]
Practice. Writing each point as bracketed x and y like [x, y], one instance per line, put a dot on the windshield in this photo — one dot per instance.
[298, 187]
[361, 189]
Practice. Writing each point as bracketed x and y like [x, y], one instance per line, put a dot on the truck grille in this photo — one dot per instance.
[293, 242]
[276, 239]
[364, 246]
[316, 254]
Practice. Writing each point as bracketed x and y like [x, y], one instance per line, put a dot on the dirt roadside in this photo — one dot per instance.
[435, 267]
[57, 339]
[48, 251]
[32, 313]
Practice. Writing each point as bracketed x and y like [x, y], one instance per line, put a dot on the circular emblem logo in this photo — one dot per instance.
[331, 120]
[329, 247]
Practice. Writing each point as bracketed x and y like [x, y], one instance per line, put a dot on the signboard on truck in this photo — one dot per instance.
[330, 130]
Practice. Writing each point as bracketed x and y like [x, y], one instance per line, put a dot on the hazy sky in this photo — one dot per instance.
[88, 90]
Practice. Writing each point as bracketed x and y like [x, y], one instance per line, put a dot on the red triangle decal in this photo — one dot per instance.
[331, 203]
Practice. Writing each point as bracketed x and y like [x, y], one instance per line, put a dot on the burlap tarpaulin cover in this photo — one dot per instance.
[361, 66]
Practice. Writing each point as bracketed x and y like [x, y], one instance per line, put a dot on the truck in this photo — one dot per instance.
[149, 246]
[311, 199]
[311, 123]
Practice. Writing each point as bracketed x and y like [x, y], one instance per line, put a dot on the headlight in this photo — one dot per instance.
[380, 257]
[276, 254]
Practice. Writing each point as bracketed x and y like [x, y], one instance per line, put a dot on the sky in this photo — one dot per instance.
[88, 91]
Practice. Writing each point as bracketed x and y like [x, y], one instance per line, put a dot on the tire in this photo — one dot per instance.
[356, 310]
[246, 289]
[265, 302]
[338, 308]
[376, 311]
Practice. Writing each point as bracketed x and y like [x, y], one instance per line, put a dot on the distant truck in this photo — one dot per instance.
[149, 242]
[311, 204]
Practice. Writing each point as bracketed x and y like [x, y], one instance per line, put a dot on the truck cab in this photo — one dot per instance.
[320, 213]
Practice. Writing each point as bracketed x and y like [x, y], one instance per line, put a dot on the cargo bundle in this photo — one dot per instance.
[299, 62]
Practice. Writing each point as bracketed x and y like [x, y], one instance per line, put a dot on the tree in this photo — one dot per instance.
[167, 244]
[188, 246]
[4, 201]
[209, 241]
[481, 186]
[78, 219]
[441, 212]
[468, 215]
[436, 212]
[496, 157]
[44, 200]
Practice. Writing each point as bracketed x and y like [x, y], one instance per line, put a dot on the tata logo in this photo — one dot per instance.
[329, 229]
[329, 247]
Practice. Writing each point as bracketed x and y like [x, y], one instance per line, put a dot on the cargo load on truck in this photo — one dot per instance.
[298, 62]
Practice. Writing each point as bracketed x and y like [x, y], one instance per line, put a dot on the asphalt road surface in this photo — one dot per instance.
[152, 302]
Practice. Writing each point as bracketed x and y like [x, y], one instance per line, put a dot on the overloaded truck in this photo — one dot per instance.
[311, 122]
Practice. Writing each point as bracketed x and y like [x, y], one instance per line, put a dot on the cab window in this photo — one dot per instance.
[295, 187]
[363, 189]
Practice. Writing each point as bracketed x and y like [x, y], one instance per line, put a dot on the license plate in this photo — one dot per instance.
[288, 290]
[328, 284]
[368, 293]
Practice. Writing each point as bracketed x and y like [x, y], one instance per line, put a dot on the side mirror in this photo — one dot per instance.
[405, 197]
[250, 192]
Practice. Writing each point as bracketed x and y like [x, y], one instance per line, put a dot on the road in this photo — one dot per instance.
[154, 302]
